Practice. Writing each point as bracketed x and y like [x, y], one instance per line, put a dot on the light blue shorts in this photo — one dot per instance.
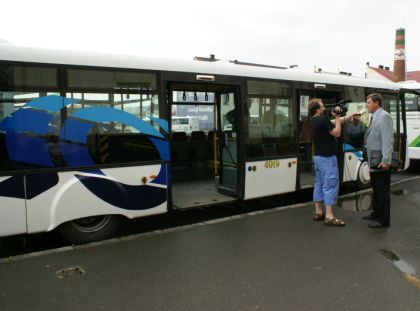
[326, 180]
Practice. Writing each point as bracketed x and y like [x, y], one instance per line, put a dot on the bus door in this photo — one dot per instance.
[204, 144]
[397, 106]
[411, 102]
[305, 149]
[269, 138]
[228, 120]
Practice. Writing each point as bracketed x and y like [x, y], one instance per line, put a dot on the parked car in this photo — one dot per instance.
[184, 124]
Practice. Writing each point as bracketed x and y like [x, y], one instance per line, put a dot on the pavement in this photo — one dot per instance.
[278, 259]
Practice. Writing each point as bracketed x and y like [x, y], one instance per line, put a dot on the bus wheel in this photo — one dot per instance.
[90, 229]
[363, 176]
[364, 201]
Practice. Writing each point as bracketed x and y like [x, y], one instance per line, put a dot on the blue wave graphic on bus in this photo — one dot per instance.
[14, 187]
[106, 114]
[51, 103]
[125, 196]
[350, 148]
[28, 133]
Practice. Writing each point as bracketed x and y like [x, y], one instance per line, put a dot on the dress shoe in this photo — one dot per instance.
[369, 217]
[376, 224]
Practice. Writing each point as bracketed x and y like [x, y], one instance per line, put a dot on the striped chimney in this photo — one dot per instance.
[399, 56]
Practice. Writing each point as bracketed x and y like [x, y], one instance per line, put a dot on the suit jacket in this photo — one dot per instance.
[379, 136]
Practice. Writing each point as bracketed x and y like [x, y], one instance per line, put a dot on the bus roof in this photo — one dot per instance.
[84, 58]
[410, 85]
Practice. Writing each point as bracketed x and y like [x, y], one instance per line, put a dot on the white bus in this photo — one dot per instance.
[184, 124]
[86, 139]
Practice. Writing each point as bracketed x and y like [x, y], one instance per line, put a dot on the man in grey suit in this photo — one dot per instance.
[379, 142]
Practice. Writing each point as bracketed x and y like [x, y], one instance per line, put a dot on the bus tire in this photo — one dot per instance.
[90, 229]
[363, 176]
[364, 201]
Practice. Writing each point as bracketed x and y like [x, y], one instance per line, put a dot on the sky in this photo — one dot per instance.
[331, 34]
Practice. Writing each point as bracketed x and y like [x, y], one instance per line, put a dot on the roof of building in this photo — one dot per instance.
[386, 73]
[411, 75]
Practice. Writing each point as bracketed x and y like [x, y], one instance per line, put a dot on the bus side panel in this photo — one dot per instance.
[269, 177]
[12, 206]
[352, 161]
[128, 191]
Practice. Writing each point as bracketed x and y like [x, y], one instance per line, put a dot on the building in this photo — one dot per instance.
[384, 73]
[400, 73]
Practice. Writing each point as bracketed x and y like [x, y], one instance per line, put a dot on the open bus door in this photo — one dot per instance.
[395, 105]
[204, 156]
[228, 120]
[400, 124]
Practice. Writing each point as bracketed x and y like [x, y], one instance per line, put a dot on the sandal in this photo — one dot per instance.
[335, 222]
[319, 216]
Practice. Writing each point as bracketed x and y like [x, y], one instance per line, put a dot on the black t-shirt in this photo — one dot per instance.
[324, 143]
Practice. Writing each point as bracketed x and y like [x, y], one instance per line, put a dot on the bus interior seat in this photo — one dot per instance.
[255, 131]
[180, 147]
[210, 140]
[199, 146]
[269, 149]
[305, 133]
[305, 145]
[266, 131]
[198, 136]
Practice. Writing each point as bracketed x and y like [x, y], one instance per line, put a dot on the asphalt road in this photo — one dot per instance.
[277, 259]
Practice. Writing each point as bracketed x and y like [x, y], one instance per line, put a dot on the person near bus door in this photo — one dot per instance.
[324, 133]
[379, 139]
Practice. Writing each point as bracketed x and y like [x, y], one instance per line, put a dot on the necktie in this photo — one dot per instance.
[370, 121]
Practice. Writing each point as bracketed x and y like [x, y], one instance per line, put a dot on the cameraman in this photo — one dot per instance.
[324, 133]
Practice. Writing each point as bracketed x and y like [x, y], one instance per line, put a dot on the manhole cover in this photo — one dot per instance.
[70, 272]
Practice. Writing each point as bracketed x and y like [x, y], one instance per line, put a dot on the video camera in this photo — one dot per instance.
[339, 108]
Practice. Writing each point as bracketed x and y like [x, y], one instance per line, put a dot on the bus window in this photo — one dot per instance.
[31, 143]
[304, 101]
[389, 103]
[354, 130]
[110, 80]
[113, 142]
[353, 134]
[413, 125]
[192, 111]
[271, 128]
[27, 143]
[29, 77]
[411, 102]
